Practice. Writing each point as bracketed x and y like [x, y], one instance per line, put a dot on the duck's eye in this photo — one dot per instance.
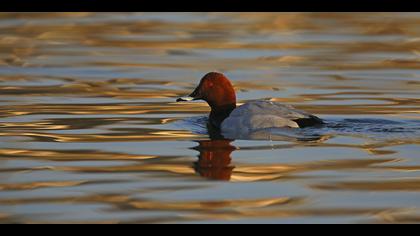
[210, 84]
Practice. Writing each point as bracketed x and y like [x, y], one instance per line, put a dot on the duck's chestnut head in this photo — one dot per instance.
[215, 89]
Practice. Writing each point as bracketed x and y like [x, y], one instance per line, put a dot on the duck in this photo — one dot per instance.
[229, 118]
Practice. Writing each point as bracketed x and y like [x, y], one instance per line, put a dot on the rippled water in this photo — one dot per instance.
[90, 131]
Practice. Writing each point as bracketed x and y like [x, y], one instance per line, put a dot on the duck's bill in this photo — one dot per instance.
[185, 99]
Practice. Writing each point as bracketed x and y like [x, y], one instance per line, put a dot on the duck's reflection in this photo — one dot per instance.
[214, 161]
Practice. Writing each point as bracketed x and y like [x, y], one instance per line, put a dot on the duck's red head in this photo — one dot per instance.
[218, 92]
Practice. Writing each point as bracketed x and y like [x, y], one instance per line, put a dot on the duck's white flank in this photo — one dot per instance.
[258, 115]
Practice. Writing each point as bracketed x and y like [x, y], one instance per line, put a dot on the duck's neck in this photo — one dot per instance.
[219, 113]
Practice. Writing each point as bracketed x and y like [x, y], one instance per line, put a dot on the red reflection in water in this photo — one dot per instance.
[214, 161]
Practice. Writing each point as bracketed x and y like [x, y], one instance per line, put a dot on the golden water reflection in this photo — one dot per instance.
[90, 131]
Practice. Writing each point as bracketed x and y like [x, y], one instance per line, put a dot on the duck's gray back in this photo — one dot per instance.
[262, 114]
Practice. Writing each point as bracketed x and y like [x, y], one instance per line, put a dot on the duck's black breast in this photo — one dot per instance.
[217, 116]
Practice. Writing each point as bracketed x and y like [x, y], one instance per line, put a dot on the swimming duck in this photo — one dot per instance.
[216, 89]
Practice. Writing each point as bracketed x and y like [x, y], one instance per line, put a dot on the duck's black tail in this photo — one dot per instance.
[310, 121]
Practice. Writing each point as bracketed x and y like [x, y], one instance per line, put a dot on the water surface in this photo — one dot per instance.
[90, 131]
